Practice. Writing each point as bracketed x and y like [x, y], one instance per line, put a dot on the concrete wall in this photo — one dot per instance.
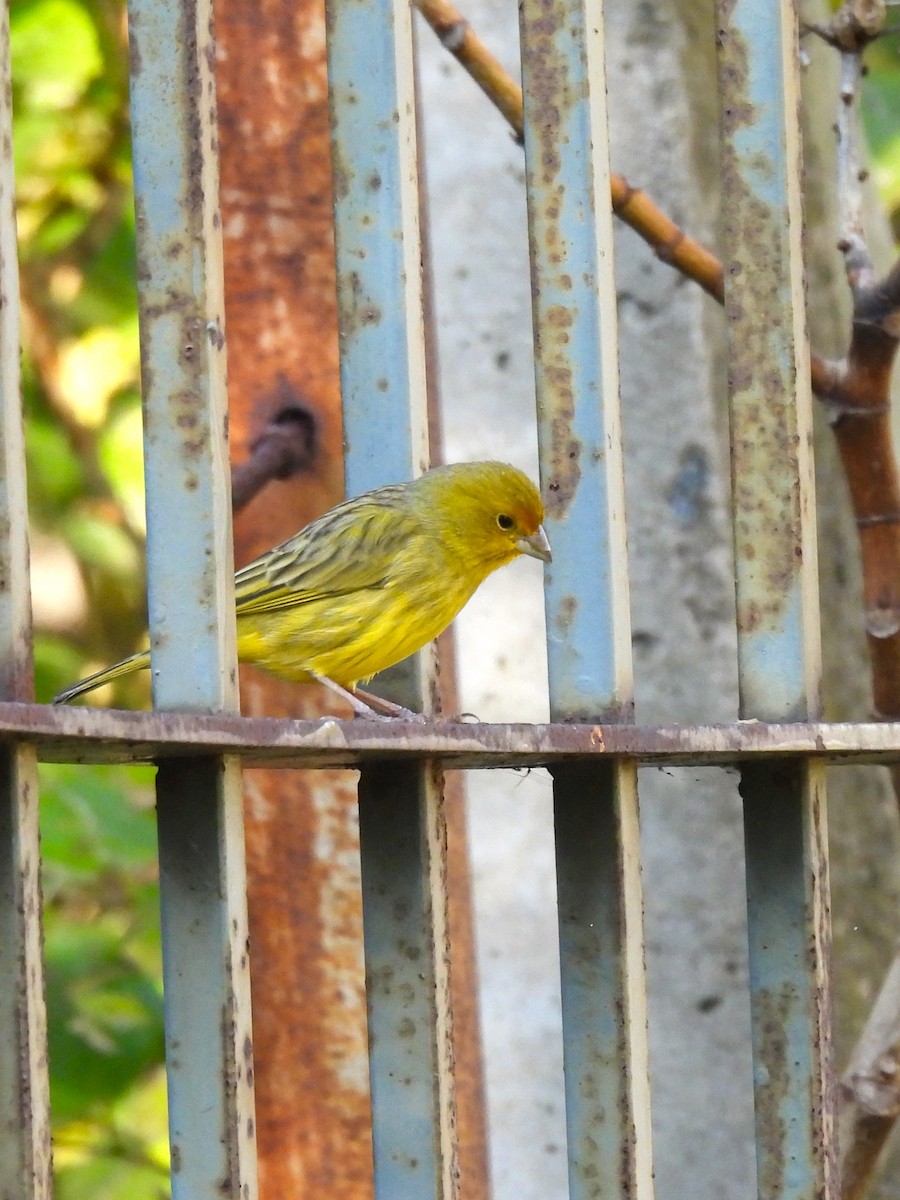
[663, 111]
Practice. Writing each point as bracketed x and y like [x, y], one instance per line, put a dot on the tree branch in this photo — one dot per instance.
[634, 207]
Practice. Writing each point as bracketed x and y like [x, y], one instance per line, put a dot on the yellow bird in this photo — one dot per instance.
[376, 578]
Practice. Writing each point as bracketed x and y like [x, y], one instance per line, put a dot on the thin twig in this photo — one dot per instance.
[633, 206]
[456, 35]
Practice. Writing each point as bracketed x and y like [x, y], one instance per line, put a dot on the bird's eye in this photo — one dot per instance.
[505, 522]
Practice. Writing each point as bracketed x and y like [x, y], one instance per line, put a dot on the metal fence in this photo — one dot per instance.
[591, 746]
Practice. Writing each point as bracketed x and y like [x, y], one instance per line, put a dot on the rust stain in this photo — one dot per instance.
[228, 1028]
[195, 100]
[773, 1011]
[551, 97]
[356, 310]
[765, 442]
[341, 174]
[309, 1021]
[566, 612]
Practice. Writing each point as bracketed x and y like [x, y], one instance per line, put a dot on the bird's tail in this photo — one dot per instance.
[137, 662]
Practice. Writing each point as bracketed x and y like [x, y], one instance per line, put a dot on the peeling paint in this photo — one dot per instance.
[576, 369]
[769, 424]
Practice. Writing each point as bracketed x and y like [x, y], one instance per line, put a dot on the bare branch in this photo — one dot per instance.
[855, 24]
[870, 1089]
[456, 35]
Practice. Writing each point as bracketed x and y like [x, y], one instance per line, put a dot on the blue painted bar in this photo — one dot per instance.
[570, 236]
[25, 1153]
[378, 256]
[378, 250]
[406, 1141]
[777, 598]
[206, 975]
[190, 597]
[588, 624]
[402, 823]
[179, 248]
[789, 941]
[771, 404]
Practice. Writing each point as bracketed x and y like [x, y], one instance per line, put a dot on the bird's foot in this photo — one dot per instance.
[389, 710]
[366, 705]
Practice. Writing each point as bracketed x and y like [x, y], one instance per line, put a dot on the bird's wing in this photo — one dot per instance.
[350, 548]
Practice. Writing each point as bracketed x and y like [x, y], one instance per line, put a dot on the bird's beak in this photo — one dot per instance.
[536, 545]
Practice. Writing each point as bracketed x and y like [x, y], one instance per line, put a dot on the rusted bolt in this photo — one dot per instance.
[286, 446]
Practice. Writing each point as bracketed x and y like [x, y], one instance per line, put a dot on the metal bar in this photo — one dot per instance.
[209, 1049]
[25, 1151]
[771, 405]
[607, 1086]
[777, 596]
[378, 257]
[380, 313]
[309, 1039]
[377, 243]
[588, 625]
[180, 291]
[190, 600]
[111, 736]
[26, 1166]
[789, 933]
[396, 919]
[115, 735]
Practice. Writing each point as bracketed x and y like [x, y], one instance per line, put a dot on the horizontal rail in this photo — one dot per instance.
[95, 735]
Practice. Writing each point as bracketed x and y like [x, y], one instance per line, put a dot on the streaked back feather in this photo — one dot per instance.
[350, 548]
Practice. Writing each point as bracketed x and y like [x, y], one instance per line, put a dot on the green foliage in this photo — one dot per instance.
[83, 447]
[881, 118]
[104, 997]
[81, 363]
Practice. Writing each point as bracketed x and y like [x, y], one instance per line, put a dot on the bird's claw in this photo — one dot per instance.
[402, 714]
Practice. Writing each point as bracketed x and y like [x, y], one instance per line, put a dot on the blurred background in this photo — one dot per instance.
[83, 436]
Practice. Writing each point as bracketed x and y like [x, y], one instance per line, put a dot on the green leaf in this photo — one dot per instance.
[104, 994]
[102, 545]
[880, 106]
[55, 50]
[56, 663]
[55, 474]
[104, 1014]
[120, 451]
[111, 1176]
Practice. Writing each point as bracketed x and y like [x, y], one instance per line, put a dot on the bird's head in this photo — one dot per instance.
[491, 508]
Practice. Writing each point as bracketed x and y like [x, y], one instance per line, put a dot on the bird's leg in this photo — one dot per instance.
[389, 708]
[358, 701]
[358, 705]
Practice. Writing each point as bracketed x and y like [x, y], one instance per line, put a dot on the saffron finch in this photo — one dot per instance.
[375, 579]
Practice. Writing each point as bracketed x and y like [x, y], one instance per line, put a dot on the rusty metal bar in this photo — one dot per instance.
[25, 1152]
[88, 735]
[380, 314]
[401, 1011]
[777, 596]
[588, 623]
[190, 599]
